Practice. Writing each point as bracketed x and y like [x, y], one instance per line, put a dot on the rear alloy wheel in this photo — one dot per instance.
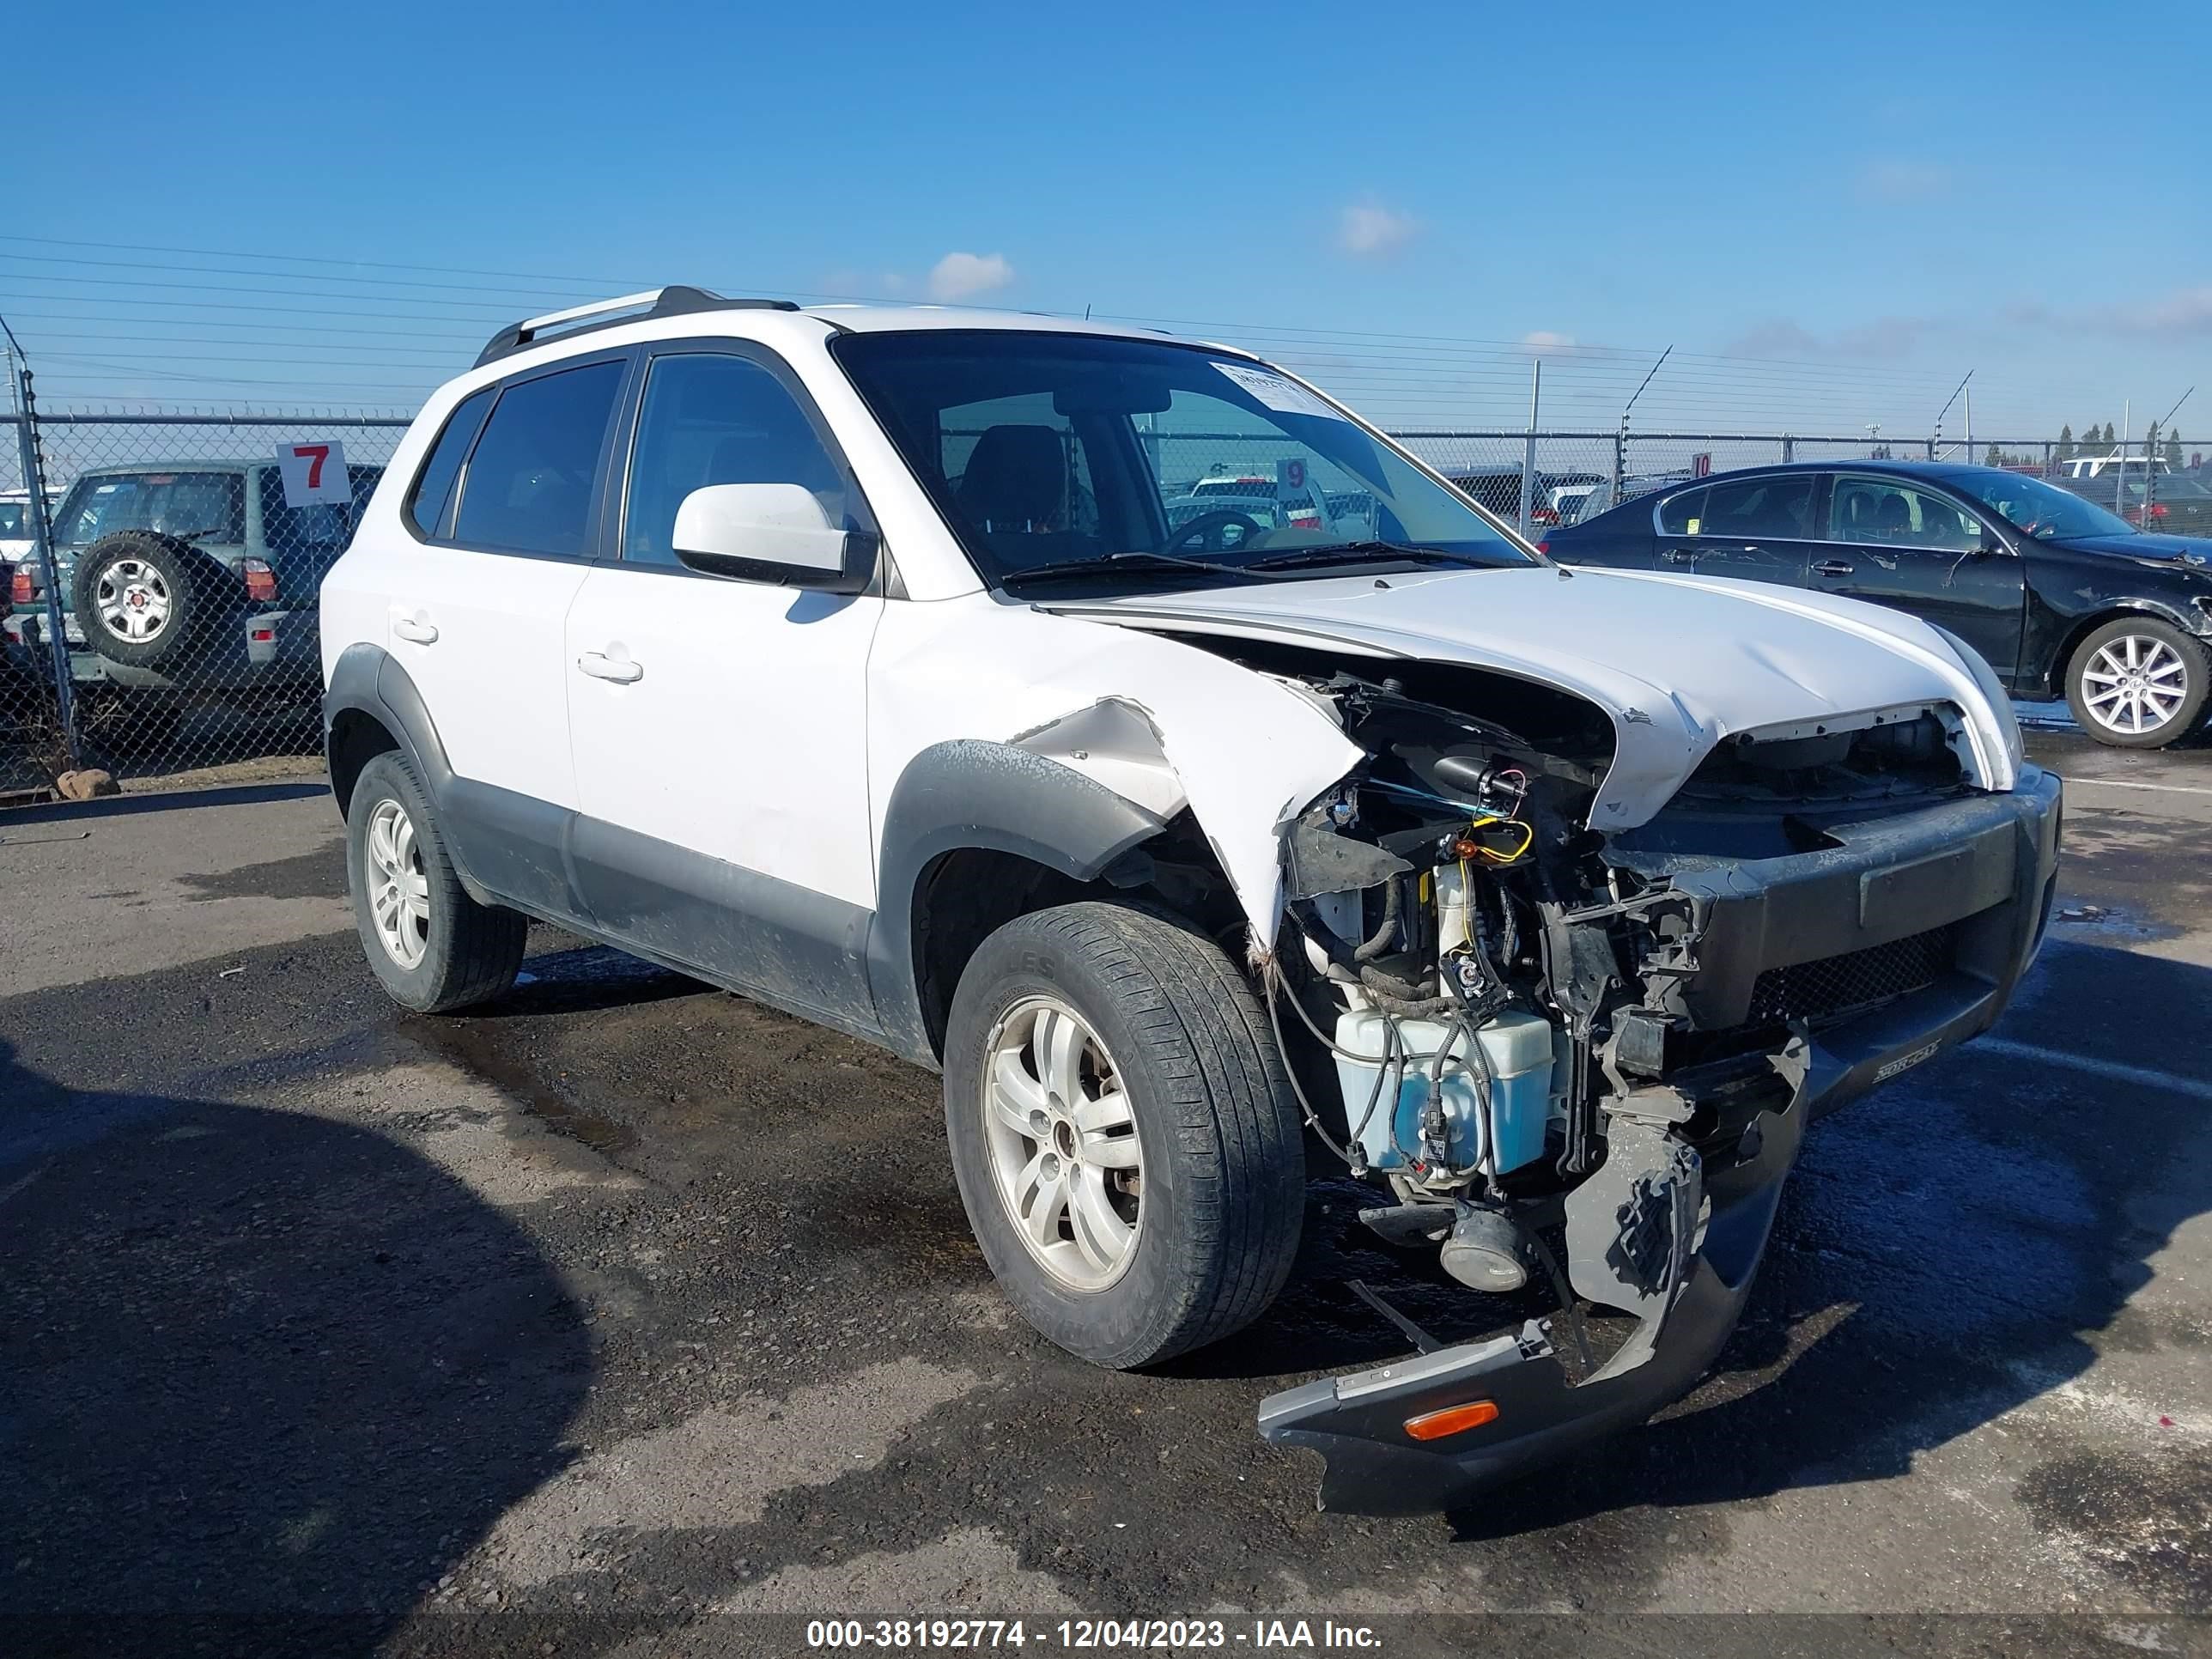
[433, 947]
[2138, 682]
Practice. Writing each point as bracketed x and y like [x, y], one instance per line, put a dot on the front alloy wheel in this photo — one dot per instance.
[1063, 1145]
[2138, 682]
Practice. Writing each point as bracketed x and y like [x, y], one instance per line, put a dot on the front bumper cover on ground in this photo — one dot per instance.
[1356, 1421]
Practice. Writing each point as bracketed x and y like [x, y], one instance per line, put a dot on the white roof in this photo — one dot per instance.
[897, 320]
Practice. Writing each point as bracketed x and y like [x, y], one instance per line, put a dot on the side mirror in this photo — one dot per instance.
[771, 532]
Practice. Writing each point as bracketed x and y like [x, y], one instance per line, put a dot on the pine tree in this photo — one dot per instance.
[2173, 450]
[1994, 457]
[2065, 450]
[2109, 438]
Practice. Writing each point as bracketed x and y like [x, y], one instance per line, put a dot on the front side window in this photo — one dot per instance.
[527, 487]
[202, 506]
[1888, 513]
[15, 521]
[710, 418]
[1064, 450]
[1775, 507]
[2041, 510]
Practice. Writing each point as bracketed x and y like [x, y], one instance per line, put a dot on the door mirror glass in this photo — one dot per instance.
[764, 531]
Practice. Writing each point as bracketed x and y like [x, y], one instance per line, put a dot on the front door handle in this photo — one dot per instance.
[601, 666]
[1680, 555]
[417, 628]
[1833, 568]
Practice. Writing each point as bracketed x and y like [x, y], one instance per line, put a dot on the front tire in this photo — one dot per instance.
[1122, 1131]
[2138, 682]
[433, 948]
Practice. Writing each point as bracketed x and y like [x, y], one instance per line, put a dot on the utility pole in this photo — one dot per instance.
[42, 540]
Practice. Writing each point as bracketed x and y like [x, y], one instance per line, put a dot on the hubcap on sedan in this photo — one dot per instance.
[1062, 1144]
[132, 600]
[2135, 684]
[398, 892]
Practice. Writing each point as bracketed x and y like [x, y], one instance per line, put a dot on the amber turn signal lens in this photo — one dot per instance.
[1452, 1420]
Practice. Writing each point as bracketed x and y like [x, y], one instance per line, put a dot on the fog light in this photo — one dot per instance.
[1484, 1253]
[1452, 1420]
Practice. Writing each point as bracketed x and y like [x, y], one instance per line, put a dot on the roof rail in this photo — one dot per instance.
[673, 301]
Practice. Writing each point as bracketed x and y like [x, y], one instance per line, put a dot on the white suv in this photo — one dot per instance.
[852, 659]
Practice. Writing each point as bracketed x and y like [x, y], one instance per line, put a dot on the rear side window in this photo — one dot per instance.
[319, 527]
[434, 485]
[529, 482]
[1681, 516]
[1780, 507]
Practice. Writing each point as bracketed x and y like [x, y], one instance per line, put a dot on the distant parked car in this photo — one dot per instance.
[1603, 497]
[2098, 466]
[193, 576]
[2058, 594]
[1498, 489]
[2175, 503]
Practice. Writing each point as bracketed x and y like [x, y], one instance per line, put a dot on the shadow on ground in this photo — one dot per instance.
[264, 1376]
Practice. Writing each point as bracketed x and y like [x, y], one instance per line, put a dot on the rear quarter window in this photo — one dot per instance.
[1682, 515]
[434, 485]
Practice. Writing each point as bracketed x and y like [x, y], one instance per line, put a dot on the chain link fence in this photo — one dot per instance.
[175, 624]
[180, 629]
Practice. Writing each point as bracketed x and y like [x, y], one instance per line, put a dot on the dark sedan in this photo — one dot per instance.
[2060, 595]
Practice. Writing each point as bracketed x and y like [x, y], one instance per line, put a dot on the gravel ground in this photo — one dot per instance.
[629, 1317]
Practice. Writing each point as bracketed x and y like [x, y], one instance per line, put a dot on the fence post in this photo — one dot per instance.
[1620, 457]
[1529, 455]
[1789, 448]
[42, 548]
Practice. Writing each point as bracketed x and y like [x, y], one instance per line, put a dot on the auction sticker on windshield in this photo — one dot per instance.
[1276, 392]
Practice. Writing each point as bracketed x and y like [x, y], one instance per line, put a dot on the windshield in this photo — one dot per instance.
[207, 504]
[1048, 449]
[2041, 510]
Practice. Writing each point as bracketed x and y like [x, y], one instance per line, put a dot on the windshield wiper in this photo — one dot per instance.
[1063, 569]
[1342, 552]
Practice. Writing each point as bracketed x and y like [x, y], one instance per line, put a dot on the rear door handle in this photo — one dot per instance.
[1833, 568]
[417, 628]
[1680, 555]
[601, 666]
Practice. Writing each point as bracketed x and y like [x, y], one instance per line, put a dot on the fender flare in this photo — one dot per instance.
[366, 680]
[2197, 627]
[969, 795]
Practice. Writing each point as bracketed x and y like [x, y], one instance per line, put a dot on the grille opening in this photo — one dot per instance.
[1824, 991]
[1859, 979]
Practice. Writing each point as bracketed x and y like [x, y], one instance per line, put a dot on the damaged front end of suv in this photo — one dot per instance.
[1584, 1056]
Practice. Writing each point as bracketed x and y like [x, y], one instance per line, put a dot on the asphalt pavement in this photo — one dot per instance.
[629, 1317]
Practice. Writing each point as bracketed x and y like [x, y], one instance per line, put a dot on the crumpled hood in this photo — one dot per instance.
[1678, 662]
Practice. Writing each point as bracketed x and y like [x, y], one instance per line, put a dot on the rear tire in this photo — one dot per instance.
[143, 598]
[2138, 682]
[434, 947]
[1172, 1115]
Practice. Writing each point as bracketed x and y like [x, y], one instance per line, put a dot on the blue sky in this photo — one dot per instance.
[1883, 199]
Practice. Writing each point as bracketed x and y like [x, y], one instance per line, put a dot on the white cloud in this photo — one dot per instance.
[1369, 230]
[1543, 339]
[963, 276]
[1897, 180]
